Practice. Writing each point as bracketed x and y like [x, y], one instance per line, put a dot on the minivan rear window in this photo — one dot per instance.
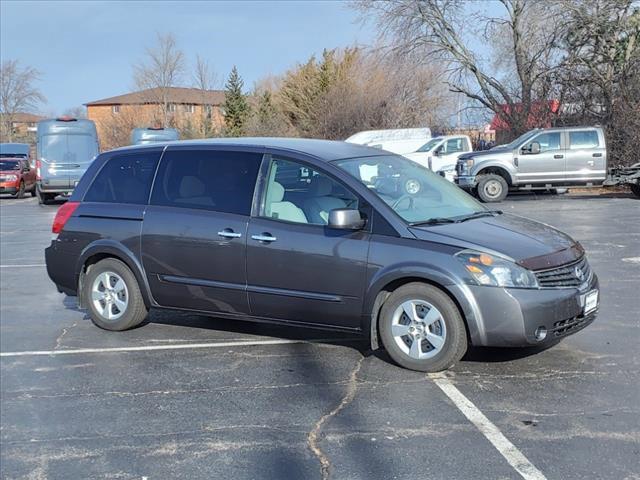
[207, 179]
[125, 178]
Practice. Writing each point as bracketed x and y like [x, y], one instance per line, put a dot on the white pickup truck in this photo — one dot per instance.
[440, 154]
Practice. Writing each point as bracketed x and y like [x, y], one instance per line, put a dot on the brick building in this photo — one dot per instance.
[19, 127]
[195, 113]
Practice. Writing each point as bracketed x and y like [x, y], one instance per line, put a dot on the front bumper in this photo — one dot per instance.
[9, 187]
[466, 181]
[510, 316]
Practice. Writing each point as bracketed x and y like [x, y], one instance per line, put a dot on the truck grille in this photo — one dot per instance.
[570, 275]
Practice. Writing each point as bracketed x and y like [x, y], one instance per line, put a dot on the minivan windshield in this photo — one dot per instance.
[415, 193]
[68, 148]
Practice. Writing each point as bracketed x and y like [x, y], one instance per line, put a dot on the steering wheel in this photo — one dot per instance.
[403, 197]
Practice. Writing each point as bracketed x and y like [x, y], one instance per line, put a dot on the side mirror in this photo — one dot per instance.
[438, 151]
[345, 219]
[534, 148]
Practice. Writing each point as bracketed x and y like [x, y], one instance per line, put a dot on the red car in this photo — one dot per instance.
[17, 176]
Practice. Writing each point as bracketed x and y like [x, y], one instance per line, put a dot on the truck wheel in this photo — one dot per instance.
[635, 188]
[33, 192]
[112, 295]
[20, 192]
[422, 329]
[492, 188]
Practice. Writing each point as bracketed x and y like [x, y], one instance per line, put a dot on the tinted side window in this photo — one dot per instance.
[207, 179]
[124, 178]
[586, 139]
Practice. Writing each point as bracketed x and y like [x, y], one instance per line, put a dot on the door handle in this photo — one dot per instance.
[228, 233]
[597, 155]
[264, 237]
[558, 156]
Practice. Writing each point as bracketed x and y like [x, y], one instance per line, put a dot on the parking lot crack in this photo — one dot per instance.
[314, 435]
[61, 336]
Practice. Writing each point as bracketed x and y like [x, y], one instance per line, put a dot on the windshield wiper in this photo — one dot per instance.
[433, 221]
[482, 213]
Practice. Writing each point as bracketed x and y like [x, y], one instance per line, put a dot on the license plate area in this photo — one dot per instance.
[590, 301]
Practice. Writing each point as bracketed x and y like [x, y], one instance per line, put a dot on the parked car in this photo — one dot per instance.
[142, 136]
[400, 140]
[358, 240]
[17, 176]
[540, 159]
[440, 154]
[65, 149]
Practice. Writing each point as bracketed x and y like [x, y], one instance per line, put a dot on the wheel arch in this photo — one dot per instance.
[383, 288]
[104, 248]
[497, 169]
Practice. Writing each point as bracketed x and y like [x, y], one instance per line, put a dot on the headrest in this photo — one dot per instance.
[276, 193]
[191, 186]
[321, 186]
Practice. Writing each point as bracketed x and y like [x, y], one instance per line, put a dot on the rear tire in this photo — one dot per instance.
[635, 189]
[431, 337]
[112, 295]
[492, 188]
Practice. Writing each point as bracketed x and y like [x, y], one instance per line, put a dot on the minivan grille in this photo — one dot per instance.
[572, 274]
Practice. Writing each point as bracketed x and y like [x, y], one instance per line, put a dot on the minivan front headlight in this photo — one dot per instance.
[496, 271]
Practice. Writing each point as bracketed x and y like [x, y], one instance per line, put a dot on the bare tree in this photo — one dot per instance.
[515, 83]
[205, 79]
[17, 93]
[162, 69]
[76, 112]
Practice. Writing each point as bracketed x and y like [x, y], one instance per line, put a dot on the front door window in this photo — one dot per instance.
[297, 193]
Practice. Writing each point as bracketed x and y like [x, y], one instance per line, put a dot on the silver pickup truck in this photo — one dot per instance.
[540, 159]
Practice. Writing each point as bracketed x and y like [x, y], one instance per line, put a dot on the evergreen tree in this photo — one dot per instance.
[236, 107]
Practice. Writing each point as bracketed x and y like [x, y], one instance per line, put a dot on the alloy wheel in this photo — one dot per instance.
[419, 329]
[110, 296]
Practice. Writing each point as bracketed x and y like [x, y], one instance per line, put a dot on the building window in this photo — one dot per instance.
[208, 109]
[190, 108]
[171, 108]
[115, 109]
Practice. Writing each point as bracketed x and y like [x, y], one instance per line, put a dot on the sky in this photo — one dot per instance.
[85, 49]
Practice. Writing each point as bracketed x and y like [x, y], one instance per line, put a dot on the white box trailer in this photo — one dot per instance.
[400, 141]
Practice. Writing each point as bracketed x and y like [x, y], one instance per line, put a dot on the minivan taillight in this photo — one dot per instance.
[38, 166]
[63, 214]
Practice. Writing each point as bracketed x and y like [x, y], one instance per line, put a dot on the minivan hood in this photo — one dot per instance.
[532, 244]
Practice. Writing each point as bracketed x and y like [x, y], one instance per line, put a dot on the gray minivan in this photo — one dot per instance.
[320, 234]
[65, 147]
[143, 136]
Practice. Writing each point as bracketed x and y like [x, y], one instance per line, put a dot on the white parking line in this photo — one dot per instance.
[507, 449]
[32, 265]
[183, 346]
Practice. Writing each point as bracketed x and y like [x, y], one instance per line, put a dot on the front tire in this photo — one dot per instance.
[422, 329]
[635, 189]
[20, 192]
[492, 188]
[112, 295]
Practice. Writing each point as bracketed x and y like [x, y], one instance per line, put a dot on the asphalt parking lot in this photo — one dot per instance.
[186, 396]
